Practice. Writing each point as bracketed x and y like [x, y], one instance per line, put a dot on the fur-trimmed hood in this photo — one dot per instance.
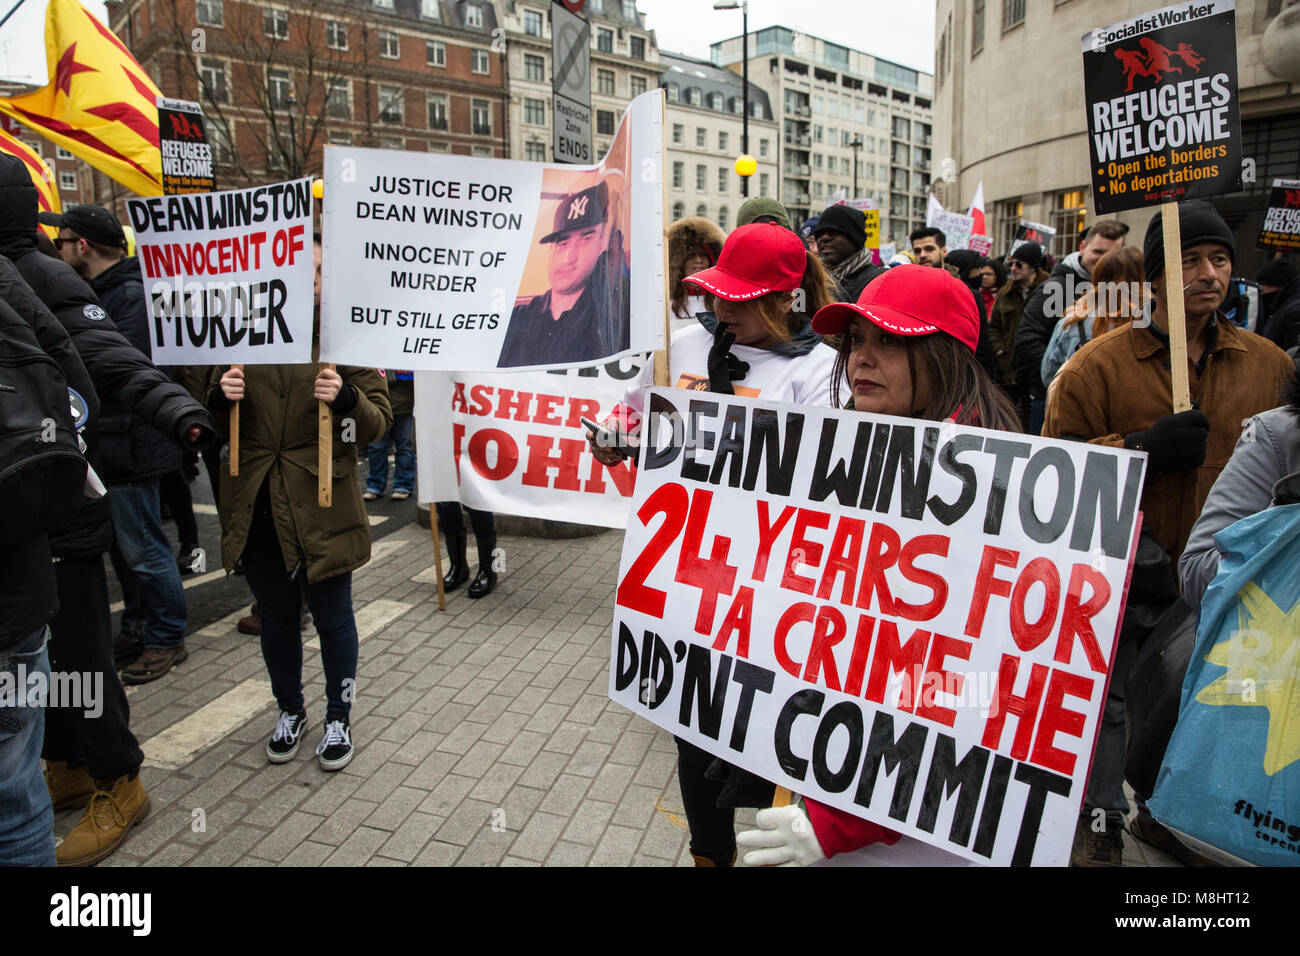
[687, 235]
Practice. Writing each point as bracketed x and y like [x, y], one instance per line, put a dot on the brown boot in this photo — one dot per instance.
[705, 861]
[69, 787]
[251, 623]
[116, 806]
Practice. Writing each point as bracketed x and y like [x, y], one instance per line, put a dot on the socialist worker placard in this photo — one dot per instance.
[1164, 124]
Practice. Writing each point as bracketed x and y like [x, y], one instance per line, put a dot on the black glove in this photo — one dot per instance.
[1174, 443]
[724, 368]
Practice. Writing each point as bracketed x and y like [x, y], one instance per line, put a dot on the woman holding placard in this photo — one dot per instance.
[907, 349]
[755, 339]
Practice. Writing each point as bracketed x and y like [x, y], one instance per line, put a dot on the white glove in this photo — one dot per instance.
[784, 838]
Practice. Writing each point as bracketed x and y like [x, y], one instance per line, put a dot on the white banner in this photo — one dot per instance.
[229, 275]
[512, 443]
[912, 622]
[955, 226]
[459, 263]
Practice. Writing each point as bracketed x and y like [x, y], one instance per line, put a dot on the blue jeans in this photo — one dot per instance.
[152, 596]
[26, 815]
[279, 601]
[404, 458]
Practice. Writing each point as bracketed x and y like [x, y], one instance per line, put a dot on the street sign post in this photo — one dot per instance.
[570, 86]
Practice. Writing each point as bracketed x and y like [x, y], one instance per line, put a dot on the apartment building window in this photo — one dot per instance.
[672, 93]
[693, 96]
[723, 214]
[534, 112]
[763, 180]
[390, 103]
[214, 77]
[67, 180]
[636, 85]
[278, 92]
[535, 152]
[629, 10]
[701, 135]
[605, 82]
[679, 210]
[604, 40]
[207, 12]
[481, 117]
[473, 17]
[534, 68]
[437, 111]
[435, 53]
[1069, 213]
[219, 139]
[976, 27]
[482, 151]
[762, 148]
[532, 23]
[383, 4]
[830, 164]
[1013, 13]
[336, 35]
[605, 122]
[701, 178]
[722, 179]
[62, 153]
[388, 45]
[430, 10]
[722, 141]
[679, 180]
[1007, 214]
[678, 134]
[715, 101]
[637, 48]
[275, 23]
[702, 211]
[902, 128]
[479, 59]
[338, 98]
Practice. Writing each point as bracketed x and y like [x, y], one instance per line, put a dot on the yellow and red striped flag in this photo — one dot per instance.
[99, 105]
[47, 195]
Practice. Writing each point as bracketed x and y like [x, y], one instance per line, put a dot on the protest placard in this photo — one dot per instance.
[1281, 228]
[955, 226]
[1035, 232]
[980, 244]
[1164, 123]
[459, 263]
[186, 153]
[229, 275]
[910, 621]
[513, 443]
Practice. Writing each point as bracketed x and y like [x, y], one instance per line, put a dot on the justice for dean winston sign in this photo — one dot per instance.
[913, 622]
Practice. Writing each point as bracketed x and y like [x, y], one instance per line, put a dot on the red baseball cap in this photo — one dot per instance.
[756, 259]
[909, 300]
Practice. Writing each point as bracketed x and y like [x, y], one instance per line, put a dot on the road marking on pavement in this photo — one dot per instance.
[377, 519]
[386, 547]
[373, 618]
[186, 582]
[176, 746]
[204, 509]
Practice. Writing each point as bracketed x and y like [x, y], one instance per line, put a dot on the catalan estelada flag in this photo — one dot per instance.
[99, 105]
[47, 195]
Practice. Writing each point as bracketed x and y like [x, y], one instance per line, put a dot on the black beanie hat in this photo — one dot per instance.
[847, 220]
[1198, 222]
[1030, 253]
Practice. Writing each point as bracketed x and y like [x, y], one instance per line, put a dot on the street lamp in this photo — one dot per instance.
[855, 146]
[743, 7]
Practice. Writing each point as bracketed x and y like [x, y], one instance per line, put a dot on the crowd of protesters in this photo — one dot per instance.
[1076, 349]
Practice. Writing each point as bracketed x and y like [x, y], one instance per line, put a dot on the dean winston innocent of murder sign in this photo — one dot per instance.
[1164, 124]
[912, 622]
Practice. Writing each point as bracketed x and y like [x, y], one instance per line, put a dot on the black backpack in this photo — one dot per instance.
[42, 470]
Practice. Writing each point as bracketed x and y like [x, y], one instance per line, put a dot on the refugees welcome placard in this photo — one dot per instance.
[913, 622]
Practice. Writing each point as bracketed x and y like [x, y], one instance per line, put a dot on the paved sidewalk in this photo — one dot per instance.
[484, 733]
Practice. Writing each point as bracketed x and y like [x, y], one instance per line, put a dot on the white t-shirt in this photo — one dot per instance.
[797, 380]
[686, 319]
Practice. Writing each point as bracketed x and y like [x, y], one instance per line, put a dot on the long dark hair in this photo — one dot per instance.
[952, 385]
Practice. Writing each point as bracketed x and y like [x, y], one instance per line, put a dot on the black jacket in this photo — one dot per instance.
[125, 380]
[1035, 328]
[132, 448]
[1282, 323]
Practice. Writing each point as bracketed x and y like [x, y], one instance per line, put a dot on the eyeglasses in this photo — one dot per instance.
[60, 240]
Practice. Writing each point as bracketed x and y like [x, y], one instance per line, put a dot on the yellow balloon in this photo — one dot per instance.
[318, 188]
[746, 165]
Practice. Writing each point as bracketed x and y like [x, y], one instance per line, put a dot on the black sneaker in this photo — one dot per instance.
[289, 729]
[335, 750]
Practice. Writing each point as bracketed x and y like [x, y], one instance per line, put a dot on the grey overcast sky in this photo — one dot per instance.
[898, 30]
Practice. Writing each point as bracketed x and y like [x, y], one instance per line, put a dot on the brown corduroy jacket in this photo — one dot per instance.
[1120, 383]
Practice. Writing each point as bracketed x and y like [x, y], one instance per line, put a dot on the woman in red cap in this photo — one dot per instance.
[907, 349]
[755, 339]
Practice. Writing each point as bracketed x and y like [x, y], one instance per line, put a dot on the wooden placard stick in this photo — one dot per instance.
[783, 797]
[437, 555]
[234, 434]
[1174, 302]
[325, 451]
